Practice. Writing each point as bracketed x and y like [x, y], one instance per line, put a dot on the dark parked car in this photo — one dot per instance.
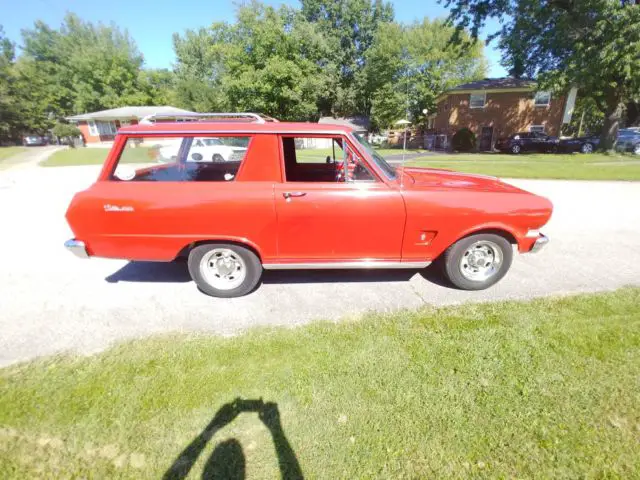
[34, 141]
[527, 142]
[628, 141]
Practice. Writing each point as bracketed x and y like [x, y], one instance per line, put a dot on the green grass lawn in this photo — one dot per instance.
[542, 389]
[560, 166]
[8, 153]
[92, 156]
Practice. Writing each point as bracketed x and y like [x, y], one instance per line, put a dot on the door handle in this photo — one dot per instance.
[289, 195]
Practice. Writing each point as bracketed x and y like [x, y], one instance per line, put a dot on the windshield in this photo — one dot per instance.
[388, 170]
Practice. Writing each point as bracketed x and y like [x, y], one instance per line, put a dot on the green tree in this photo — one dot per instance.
[350, 27]
[591, 44]
[408, 66]
[9, 115]
[270, 60]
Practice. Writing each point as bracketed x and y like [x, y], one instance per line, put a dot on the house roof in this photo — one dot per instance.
[359, 124]
[497, 83]
[129, 113]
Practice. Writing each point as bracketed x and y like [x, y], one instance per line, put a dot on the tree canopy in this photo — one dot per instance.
[327, 57]
[591, 44]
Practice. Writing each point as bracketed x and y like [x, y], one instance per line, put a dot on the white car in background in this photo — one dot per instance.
[205, 149]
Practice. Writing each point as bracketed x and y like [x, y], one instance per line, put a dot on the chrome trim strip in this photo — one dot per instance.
[343, 265]
[77, 247]
[539, 244]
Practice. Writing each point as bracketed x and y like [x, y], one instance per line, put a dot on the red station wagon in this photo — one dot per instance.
[293, 196]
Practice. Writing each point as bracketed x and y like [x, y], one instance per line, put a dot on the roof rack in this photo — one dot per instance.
[234, 117]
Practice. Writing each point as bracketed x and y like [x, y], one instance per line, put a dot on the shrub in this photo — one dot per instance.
[464, 140]
[65, 132]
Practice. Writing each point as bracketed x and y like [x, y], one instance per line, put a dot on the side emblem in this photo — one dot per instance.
[117, 208]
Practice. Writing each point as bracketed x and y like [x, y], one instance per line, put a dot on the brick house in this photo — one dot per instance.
[498, 107]
[102, 126]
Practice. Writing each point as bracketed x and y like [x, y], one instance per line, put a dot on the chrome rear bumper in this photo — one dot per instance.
[540, 243]
[77, 247]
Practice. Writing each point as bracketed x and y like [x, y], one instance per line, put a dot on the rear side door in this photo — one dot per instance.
[327, 216]
[148, 207]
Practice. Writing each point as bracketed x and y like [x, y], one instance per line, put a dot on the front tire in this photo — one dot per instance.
[516, 149]
[478, 261]
[224, 270]
[217, 158]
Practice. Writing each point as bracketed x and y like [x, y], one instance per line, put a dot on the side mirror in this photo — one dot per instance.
[329, 160]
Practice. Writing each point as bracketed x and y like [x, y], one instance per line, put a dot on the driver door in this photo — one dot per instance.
[327, 216]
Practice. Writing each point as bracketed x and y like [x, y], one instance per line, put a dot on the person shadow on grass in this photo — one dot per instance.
[227, 460]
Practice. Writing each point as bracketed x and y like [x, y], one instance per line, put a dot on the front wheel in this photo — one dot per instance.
[478, 261]
[224, 270]
[515, 149]
[217, 158]
[636, 149]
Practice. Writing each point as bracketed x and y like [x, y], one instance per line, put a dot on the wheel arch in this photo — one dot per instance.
[242, 242]
[502, 230]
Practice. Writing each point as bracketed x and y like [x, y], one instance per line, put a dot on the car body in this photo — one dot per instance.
[285, 206]
[523, 142]
[34, 141]
[628, 140]
[205, 149]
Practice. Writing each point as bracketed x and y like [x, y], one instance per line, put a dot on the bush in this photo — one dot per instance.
[464, 140]
[66, 132]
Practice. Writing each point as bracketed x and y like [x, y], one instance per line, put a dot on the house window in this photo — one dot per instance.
[101, 128]
[542, 99]
[537, 128]
[477, 100]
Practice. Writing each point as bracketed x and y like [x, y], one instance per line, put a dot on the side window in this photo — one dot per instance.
[180, 159]
[315, 159]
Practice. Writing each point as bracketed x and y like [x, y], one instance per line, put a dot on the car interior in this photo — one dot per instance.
[301, 166]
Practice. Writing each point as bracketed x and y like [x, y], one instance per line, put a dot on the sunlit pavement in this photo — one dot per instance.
[51, 301]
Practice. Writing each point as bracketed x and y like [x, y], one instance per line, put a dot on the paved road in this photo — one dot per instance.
[51, 301]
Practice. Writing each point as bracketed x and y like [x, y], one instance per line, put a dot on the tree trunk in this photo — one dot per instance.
[612, 117]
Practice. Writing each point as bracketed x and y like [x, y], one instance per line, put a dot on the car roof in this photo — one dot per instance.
[207, 127]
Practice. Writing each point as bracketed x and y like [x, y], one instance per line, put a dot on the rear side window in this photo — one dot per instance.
[180, 159]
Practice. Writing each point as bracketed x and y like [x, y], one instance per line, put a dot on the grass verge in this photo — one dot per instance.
[554, 166]
[8, 153]
[546, 389]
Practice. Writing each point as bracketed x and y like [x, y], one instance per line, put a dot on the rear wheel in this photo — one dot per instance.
[515, 149]
[586, 148]
[224, 270]
[478, 261]
[636, 149]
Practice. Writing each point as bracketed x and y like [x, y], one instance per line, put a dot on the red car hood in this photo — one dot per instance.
[418, 178]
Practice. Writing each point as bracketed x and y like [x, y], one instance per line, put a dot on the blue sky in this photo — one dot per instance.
[152, 22]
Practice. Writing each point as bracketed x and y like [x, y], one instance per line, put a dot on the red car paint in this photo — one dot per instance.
[411, 218]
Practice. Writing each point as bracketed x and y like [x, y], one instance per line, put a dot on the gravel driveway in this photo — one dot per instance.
[52, 302]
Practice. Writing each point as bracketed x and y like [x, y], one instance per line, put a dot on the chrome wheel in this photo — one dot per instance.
[223, 268]
[481, 261]
[515, 149]
[587, 148]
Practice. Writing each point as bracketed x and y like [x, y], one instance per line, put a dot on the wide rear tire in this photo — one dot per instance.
[224, 270]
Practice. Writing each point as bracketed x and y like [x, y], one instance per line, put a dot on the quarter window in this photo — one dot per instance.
[542, 99]
[180, 159]
[477, 100]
